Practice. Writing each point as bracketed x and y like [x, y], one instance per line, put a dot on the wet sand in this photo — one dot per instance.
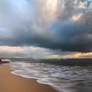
[13, 83]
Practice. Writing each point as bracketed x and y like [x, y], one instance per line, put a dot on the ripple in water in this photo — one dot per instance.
[63, 78]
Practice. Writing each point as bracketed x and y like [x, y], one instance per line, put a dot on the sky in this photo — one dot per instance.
[46, 28]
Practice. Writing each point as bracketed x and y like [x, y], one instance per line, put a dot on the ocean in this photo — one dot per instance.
[63, 78]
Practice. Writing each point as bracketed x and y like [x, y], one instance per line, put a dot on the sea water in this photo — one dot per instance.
[63, 78]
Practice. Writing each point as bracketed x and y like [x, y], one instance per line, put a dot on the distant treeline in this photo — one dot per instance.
[65, 62]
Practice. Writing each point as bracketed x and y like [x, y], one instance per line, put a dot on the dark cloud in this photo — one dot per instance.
[60, 33]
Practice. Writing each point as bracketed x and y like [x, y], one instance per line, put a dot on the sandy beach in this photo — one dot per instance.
[13, 83]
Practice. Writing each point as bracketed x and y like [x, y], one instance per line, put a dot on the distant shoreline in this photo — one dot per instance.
[65, 62]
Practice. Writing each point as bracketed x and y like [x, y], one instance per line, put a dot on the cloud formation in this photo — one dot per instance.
[29, 52]
[39, 53]
[53, 24]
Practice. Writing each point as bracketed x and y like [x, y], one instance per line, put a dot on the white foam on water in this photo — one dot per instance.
[63, 78]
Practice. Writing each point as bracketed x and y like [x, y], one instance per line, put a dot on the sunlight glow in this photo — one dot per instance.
[82, 55]
[72, 55]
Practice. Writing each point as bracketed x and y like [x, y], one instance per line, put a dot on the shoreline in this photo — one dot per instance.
[13, 83]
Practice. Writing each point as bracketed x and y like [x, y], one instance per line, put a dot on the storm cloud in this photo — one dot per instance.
[54, 24]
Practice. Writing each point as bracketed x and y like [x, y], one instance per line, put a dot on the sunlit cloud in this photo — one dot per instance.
[77, 17]
[51, 8]
[48, 9]
[82, 5]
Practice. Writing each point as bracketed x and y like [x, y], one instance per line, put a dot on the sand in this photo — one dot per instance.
[13, 83]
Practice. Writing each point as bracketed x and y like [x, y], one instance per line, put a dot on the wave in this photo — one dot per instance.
[63, 78]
